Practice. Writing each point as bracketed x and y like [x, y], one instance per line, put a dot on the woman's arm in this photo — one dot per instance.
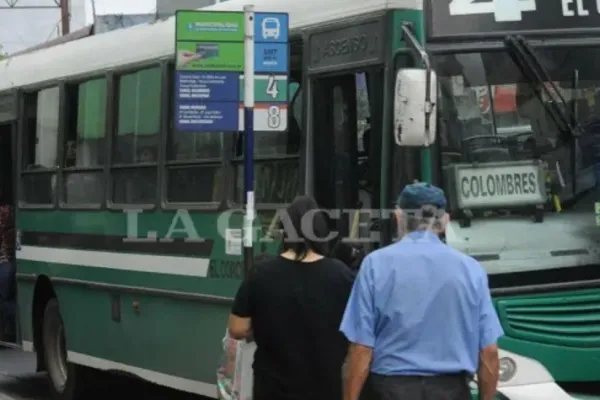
[239, 327]
[240, 321]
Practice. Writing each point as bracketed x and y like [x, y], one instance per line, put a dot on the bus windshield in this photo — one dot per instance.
[491, 113]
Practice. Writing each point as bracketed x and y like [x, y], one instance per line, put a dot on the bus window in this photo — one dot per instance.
[84, 142]
[277, 162]
[39, 151]
[296, 103]
[135, 146]
[200, 178]
[493, 113]
[364, 135]
[363, 114]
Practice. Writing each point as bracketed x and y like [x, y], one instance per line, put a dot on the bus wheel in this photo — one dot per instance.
[61, 373]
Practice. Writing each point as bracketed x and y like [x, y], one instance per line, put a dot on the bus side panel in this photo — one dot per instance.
[157, 310]
[177, 338]
[25, 290]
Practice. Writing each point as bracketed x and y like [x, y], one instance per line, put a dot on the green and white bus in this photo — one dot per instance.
[107, 191]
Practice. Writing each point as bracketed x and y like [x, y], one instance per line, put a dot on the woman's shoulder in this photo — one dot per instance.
[333, 262]
[264, 264]
[337, 267]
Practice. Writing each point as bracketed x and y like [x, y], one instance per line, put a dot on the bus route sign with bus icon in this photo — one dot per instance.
[270, 28]
[209, 74]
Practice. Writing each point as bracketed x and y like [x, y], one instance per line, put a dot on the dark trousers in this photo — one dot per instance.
[440, 387]
[268, 388]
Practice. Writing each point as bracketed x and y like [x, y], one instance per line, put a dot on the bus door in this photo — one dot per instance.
[335, 148]
[347, 121]
[8, 126]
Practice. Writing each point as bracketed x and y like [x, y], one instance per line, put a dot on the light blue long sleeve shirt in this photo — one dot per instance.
[423, 307]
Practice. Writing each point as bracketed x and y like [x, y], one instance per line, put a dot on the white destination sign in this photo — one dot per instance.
[499, 185]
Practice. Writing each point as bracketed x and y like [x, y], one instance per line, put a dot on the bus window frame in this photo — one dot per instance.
[168, 127]
[385, 62]
[237, 161]
[105, 169]
[21, 122]
[113, 111]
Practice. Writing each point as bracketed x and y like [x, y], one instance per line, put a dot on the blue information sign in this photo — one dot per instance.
[194, 116]
[213, 86]
[271, 57]
[271, 28]
[208, 100]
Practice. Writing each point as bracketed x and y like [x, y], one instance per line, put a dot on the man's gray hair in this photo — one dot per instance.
[427, 217]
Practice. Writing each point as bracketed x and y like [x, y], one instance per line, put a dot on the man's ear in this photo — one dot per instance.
[445, 220]
[398, 216]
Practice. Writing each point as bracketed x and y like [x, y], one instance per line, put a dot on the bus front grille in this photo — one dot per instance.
[567, 319]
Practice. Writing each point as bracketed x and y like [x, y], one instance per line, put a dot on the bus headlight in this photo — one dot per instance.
[516, 370]
[508, 369]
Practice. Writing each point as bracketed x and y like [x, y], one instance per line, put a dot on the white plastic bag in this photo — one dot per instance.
[234, 375]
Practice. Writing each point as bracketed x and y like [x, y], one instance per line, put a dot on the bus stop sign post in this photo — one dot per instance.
[231, 76]
[248, 136]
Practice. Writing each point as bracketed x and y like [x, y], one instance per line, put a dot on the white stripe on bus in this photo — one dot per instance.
[175, 382]
[158, 264]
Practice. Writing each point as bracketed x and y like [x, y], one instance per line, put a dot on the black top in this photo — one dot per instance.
[296, 309]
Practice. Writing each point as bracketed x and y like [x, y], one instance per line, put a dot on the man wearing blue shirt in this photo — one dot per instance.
[420, 318]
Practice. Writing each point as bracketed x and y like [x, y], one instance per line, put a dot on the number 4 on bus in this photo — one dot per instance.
[272, 89]
[503, 10]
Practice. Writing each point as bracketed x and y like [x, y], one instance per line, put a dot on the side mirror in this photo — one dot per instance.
[415, 110]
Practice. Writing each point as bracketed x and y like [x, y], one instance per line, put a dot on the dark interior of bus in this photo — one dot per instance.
[7, 266]
[347, 121]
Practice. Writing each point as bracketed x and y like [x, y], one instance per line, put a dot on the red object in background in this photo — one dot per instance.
[484, 100]
[505, 99]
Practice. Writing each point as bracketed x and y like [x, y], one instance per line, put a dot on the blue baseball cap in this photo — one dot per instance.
[417, 195]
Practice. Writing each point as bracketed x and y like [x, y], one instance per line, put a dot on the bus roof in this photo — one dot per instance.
[152, 41]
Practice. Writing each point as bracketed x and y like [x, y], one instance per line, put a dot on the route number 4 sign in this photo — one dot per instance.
[503, 10]
[272, 88]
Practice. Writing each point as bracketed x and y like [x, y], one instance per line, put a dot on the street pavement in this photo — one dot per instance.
[19, 381]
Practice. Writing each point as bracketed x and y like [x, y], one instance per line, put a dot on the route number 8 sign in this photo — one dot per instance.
[274, 117]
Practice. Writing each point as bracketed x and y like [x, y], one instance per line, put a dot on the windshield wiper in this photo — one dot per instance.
[531, 67]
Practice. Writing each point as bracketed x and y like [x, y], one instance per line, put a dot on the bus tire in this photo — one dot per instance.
[65, 378]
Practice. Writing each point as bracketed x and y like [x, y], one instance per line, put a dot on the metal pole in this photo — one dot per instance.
[64, 17]
[93, 4]
[248, 135]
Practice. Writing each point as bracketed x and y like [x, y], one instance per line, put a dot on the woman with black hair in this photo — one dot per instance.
[292, 306]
